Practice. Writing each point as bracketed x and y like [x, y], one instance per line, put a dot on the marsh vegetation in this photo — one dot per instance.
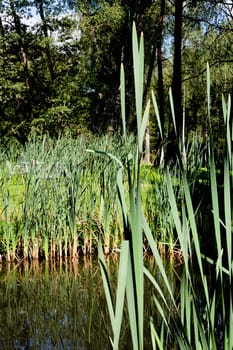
[78, 195]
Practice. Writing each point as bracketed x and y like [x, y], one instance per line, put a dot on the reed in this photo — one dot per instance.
[200, 317]
[130, 283]
[58, 198]
[204, 313]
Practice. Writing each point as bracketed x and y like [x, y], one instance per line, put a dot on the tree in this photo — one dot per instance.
[35, 71]
[44, 28]
[190, 17]
[106, 42]
[56, 78]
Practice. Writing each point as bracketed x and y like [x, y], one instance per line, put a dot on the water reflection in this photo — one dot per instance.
[59, 306]
[53, 307]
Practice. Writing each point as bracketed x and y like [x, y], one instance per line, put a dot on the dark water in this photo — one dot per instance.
[58, 306]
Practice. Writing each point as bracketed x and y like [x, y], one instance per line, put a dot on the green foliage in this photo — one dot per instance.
[62, 73]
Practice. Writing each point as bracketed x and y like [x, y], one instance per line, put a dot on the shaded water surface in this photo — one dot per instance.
[58, 306]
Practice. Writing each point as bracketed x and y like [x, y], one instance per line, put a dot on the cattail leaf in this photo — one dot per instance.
[173, 111]
[120, 293]
[143, 126]
[122, 90]
[155, 104]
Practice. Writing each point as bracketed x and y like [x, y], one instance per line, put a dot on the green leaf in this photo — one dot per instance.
[106, 283]
[122, 89]
[120, 294]
[143, 126]
[172, 110]
[155, 104]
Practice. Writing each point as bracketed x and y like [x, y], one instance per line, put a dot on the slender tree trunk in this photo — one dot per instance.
[157, 48]
[22, 50]
[160, 74]
[2, 32]
[160, 63]
[45, 31]
[21, 135]
[176, 81]
[2, 45]
[127, 60]
[177, 78]
[149, 73]
[146, 158]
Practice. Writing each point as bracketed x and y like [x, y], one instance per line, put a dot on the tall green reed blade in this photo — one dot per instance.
[227, 181]
[173, 111]
[185, 312]
[135, 213]
[216, 215]
[193, 225]
[184, 244]
[208, 92]
[155, 338]
[106, 154]
[132, 265]
[122, 90]
[228, 213]
[134, 293]
[200, 341]
[132, 304]
[144, 124]
[132, 218]
[156, 109]
[195, 237]
[159, 262]
[121, 196]
[229, 331]
[226, 115]
[209, 141]
[137, 254]
[115, 312]
[138, 64]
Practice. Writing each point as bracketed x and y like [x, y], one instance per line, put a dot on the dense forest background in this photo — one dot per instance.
[60, 64]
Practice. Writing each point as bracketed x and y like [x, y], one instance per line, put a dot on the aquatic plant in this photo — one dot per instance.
[201, 315]
[57, 198]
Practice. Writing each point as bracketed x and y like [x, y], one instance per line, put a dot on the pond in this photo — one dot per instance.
[60, 305]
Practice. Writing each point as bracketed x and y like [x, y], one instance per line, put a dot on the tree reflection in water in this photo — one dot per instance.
[58, 305]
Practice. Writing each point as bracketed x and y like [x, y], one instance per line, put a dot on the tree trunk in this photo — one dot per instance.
[22, 50]
[146, 158]
[150, 72]
[160, 63]
[176, 82]
[2, 32]
[23, 57]
[159, 43]
[45, 31]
